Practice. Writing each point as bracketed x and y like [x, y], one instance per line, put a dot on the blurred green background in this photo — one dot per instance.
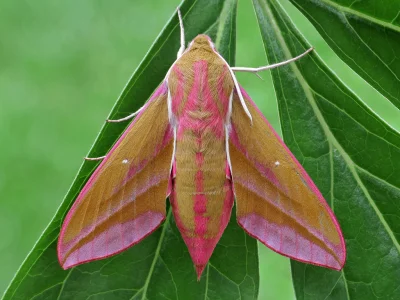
[62, 66]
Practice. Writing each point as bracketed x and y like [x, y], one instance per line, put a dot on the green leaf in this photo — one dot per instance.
[353, 157]
[365, 35]
[160, 266]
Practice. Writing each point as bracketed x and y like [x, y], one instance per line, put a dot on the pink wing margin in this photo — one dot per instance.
[124, 199]
[277, 202]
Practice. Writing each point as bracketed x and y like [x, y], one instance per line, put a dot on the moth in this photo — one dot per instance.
[201, 141]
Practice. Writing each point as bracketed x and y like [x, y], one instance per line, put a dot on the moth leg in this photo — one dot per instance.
[255, 70]
[95, 158]
[127, 117]
[182, 48]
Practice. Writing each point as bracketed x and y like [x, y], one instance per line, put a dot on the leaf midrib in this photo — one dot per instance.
[156, 256]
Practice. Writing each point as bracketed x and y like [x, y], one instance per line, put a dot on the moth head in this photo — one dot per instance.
[202, 41]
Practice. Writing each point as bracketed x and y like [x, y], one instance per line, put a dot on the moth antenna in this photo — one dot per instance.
[255, 71]
[182, 48]
[95, 158]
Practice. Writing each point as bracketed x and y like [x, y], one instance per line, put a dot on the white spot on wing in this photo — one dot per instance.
[277, 163]
[125, 161]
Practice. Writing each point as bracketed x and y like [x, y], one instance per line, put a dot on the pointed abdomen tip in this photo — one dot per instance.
[199, 271]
